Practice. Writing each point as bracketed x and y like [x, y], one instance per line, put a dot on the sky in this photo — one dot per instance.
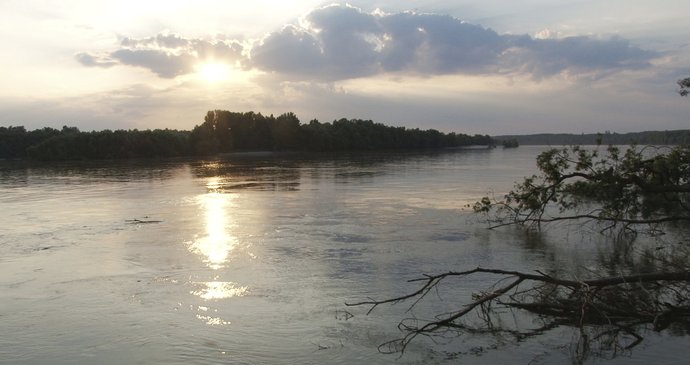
[467, 66]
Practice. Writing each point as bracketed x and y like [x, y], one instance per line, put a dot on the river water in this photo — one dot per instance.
[249, 259]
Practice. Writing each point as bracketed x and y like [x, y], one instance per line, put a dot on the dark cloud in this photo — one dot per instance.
[339, 43]
[352, 43]
[342, 42]
[350, 40]
[439, 44]
[547, 57]
[163, 64]
[290, 50]
[90, 60]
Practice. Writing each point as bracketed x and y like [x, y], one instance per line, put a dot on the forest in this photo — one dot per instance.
[224, 132]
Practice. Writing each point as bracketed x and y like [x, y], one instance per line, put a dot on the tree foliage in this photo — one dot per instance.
[638, 187]
[15, 141]
[109, 144]
[224, 131]
[684, 85]
[510, 143]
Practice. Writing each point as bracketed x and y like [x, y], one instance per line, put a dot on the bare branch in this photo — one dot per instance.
[581, 305]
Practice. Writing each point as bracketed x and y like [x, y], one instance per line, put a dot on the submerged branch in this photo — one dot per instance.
[605, 300]
[522, 221]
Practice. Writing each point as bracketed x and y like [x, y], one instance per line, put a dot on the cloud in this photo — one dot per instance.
[350, 40]
[340, 42]
[438, 44]
[291, 50]
[166, 55]
[547, 57]
[91, 60]
[169, 41]
[164, 64]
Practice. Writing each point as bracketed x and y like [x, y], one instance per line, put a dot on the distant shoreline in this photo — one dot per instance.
[672, 137]
[225, 132]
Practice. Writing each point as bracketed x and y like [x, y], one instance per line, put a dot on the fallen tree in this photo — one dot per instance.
[620, 303]
[640, 196]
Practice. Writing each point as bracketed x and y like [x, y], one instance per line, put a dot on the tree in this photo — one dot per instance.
[510, 143]
[630, 195]
[285, 132]
[640, 188]
[684, 86]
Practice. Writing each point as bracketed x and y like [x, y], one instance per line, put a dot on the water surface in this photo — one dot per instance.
[249, 260]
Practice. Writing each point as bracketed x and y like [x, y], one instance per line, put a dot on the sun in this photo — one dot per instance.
[213, 72]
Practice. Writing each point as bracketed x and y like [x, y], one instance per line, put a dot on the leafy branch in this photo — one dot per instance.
[642, 186]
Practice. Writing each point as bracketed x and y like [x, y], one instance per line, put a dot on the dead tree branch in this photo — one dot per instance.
[615, 301]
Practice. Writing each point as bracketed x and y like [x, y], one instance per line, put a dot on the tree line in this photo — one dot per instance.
[675, 137]
[222, 132]
[68, 143]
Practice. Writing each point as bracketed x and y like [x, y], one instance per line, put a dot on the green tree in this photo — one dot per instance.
[285, 132]
[203, 140]
[640, 188]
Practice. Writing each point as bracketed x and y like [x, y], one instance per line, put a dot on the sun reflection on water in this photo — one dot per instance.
[212, 321]
[215, 247]
[220, 290]
[218, 242]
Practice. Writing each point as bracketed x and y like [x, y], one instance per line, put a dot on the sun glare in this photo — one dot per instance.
[218, 242]
[214, 72]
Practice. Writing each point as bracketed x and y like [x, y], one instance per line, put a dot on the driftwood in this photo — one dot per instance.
[620, 302]
[140, 221]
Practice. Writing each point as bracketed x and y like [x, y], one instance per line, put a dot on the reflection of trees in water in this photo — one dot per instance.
[250, 175]
[22, 173]
[283, 171]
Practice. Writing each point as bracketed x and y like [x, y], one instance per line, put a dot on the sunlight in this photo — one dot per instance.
[217, 244]
[220, 290]
[214, 72]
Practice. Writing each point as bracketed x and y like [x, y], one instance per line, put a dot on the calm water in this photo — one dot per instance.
[249, 260]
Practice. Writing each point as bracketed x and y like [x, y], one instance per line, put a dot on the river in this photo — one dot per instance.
[249, 259]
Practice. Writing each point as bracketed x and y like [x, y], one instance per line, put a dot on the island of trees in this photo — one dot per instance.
[223, 132]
